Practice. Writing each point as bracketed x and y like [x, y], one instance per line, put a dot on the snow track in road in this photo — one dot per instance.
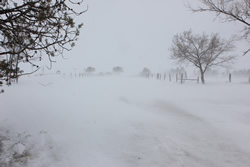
[122, 121]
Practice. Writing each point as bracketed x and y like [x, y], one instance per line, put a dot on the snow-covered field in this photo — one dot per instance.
[51, 121]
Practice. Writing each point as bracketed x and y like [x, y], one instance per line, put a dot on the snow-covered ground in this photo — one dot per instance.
[51, 121]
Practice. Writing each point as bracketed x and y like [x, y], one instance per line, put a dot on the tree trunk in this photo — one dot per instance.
[16, 70]
[202, 76]
[9, 72]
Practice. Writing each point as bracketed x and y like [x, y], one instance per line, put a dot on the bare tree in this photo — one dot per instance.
[228, 11]
[32, 29]
[203, 51]
[118, 69]
[90, 70]
[145, 72]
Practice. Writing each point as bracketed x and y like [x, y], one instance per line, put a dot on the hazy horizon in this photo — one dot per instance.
[138, 34]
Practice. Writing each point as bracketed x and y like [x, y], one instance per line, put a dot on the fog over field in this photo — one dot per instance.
[56, 120]
[117, 99]
[137, 34]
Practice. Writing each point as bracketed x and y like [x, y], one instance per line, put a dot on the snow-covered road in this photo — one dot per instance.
[127, 122]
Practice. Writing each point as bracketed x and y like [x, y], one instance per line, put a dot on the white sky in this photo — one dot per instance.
[138, 33]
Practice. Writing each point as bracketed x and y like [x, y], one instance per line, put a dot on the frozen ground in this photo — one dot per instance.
[124, 122]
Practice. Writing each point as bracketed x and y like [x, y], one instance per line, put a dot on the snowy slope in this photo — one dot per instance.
[125, 122]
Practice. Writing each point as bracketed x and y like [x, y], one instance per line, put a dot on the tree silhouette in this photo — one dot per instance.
[229, 11]
[202, 51]
[118, 69]
[33, 29]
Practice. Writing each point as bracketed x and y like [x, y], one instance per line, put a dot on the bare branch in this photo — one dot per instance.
[228, 11]
[31, 28]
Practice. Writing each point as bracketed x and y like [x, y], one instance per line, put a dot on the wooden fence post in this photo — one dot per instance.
[198, 80]
[230, 77]
[181, 78]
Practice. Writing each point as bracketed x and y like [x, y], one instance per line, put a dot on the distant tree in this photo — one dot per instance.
[211, 72]
[145, 72]
[241, 73]
[118, 69]
[178, 71]
[228, 11]
[90, 69]
[202, 51]
[32, 29]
